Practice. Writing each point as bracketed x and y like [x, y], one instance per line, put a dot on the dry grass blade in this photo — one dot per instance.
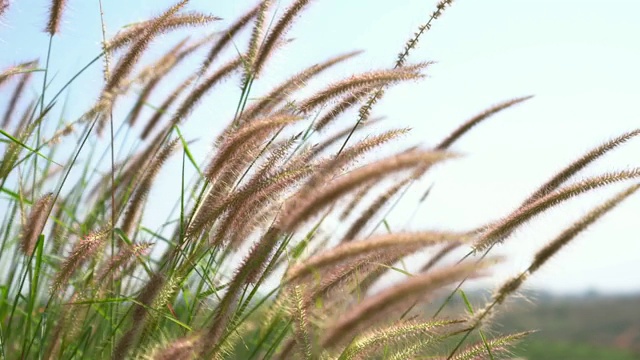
[149, 31]
[439, 255]
[330, 288]
[543, 255]
[265, 250]
[360, 148]
[165, 64]
[277, 154]
[328, 168]
[13, 149]
[25, 119]
[126, 64]
[365, 110]
[258, 196]
[357, 199]
[156, 71]
[413, 42]
[384, 262]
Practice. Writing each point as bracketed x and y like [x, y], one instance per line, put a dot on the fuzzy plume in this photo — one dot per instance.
[17, 93]
[178, 21]
[380, 243]
[499, 231]
[83, 250]
[273, 38]
[55, 16]
[35, 223]
[381, 305]
[297, 210]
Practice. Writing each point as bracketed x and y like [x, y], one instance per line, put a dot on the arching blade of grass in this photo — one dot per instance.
[185, 146]
[25, 146]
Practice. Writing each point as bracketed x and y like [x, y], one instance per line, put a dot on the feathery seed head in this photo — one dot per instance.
[17, 93]
[297, 211]
[468, 125]
[407, 292]
[387, 242]
[228, 35]
[278, 30]
[357, 82]
[35, 223]
[55, 16]
[568, 234]
[178, 21]
[4, 5]
[179, 349]
[579, 164]
[501, 230]
[84, 249]
[413, 42]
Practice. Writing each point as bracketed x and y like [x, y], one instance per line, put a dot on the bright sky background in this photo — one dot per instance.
[578, 57]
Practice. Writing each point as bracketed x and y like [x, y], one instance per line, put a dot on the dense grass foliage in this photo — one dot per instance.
[247, 265]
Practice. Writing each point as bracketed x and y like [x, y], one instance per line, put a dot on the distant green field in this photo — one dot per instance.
[546, 350]
[586, 327]
[577, 327]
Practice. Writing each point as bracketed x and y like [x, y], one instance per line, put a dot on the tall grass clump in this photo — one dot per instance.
[247, 264]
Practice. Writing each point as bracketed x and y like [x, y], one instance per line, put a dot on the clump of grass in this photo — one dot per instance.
[246, 266]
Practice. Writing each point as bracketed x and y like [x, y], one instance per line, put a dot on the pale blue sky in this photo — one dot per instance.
[578, 57]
